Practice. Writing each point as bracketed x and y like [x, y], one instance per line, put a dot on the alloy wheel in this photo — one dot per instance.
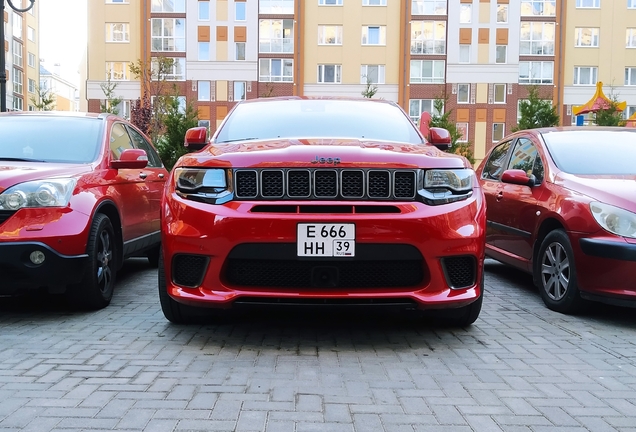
[555, 271]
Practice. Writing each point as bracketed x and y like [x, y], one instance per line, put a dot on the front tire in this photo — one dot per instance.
[555, 273]
[95, 291]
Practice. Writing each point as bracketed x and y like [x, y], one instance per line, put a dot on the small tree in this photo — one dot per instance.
[268, 90]
[177, 120]
[370, 89]
[44, 99]
[141, 114]
[442, 119]
[536, 112]
[610, 116]
[110, 105]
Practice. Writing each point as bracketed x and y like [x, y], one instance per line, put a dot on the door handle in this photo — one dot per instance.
[499, 196]
[143, 176]
[161, 175]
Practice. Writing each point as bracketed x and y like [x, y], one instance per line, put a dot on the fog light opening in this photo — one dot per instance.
[37, 257]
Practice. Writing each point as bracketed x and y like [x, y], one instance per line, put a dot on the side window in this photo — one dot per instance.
[154, 161]
[538, 170]
[496, 162]
[119, 140]
[525, 157]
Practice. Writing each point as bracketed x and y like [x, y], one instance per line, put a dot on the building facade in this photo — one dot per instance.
[476, 57]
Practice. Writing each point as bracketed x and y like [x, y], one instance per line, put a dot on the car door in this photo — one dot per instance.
[154, 176]
[491, 184]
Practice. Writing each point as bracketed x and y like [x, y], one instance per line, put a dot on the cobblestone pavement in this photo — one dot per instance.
[520, 367]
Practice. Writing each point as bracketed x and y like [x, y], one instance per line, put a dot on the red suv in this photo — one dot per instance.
[321, 201]
[79, 193]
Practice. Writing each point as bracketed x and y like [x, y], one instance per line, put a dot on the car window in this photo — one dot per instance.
[538, 170]
[119, 140]
[496, 163]
[526, 157]
[140, 142]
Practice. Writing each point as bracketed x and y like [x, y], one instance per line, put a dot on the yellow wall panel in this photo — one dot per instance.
[484, 12]
[221, 10]
[221, 51]
[483, 52]
[480, 141]
[481, 95]
[221, 93]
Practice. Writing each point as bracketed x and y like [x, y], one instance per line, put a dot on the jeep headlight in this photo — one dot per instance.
[39, 193]
[203, 184]
[614, 219]
[443, 186]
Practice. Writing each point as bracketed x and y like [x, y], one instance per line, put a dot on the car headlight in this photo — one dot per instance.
[203, 184]
[39, 193]
[443, 186]
[614, 219]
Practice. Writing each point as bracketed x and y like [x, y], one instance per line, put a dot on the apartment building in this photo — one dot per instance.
[64, 91]
[477, 56]
[22, 66]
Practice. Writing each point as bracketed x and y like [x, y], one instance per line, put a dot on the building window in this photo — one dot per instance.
[427, 71]
[204, 11]
[17, 53]
[418, 106]
[373, 35]
[630, 76]
[537, 38]
[176, 73]
[463, 93]
[276, 6]
[536, 72]
[18, 103]
[117, 32]
[585, 75]
[168, 34]
[428, 37]
[330, 74]
[464, 53]
[501, 54]
[240, 90]
[117, 71]
[17, 78]
[330, 2]
[32, 86]
[204, 51]
[498, 131]
[329, 35]
[372, 74]
[588, 3]
[31, 34]
[240, 50]
[274, 70]
[203, 90]
[31, 59]
[462, 129]
[499, 93]
[502, 13]
[630, 111]
[240, 11]
[117, 1]
[276, 36]
[465, 13]
[428, 7]
[17, 26]
[168, 6]
[631, 4]
[538, 8]
[630, 39]
[586, 37]
[373, 2]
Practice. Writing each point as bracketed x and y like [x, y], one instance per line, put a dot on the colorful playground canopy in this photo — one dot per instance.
[598, 101]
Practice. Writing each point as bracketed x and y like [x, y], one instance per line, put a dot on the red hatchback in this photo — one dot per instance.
[561, 204]
[79, 193]
[301, 201]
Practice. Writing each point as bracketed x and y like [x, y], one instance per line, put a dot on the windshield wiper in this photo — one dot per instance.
[239, 139]
[20, 159]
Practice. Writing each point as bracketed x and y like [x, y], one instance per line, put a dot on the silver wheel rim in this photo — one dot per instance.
[555, 271]
[104, 260]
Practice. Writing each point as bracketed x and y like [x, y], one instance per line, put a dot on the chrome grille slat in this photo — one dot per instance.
[325, 183]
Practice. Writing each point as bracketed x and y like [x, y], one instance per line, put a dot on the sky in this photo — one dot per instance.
[63, 35]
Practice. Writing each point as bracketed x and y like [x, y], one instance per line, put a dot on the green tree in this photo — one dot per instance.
[177, 120]
[44, 99]
[610, 116]
[442, 119]
[536, 112]
[110, 104]
[370, 90]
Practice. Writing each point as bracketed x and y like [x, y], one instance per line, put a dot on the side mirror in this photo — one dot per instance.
[440, 138]
[519, 177]
[196, 138]
[131, 159]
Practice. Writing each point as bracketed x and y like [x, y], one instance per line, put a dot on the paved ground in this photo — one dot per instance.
[520, 367]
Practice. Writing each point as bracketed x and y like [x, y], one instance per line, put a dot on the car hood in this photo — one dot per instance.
[615, 190]
[12, 173]
[343, 153]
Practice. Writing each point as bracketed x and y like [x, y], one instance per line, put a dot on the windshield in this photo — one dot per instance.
[594, 152]
[44, 138]
[319, 118]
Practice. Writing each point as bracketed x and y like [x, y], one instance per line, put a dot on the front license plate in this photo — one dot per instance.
[326, 240]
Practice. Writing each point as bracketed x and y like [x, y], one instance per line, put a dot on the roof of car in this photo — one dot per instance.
[341, 98]
[56, 114]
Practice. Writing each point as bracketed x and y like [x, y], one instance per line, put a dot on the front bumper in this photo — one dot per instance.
[216, 255]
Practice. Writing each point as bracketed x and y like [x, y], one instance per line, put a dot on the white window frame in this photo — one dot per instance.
[542, 78]
[592, 73]
[17, 77]
[544, 45]
[330, 35]
[286, 65]
[17, 53]
[175, 42]
[17, 26]
[237, 9]
[237, 51]
[178, 71]
[276, 7]
[498, 136]
[203, 51]
[630, 38]
[31, 59]
[464, 53]
[630, 110]
[337, 73]
[505, 50]
[272, 38]
[203, 10]
[465, 13]
[436, 65]
[463, 93]
[631, 4]
[503, 93]
[32, 86]
[428, 37]
[373, 2]
[31, 33]
[381, 35]
[418, 106]
[364, 73]
[538, 7]
[117, 71]
[237, 85]
[462, 126]
[588, 4]
[204, 91]
[502, 9]
[329, 2]
[428, 7]
[580, 37]
[630, 76]
[18, 103]
[117, 35]
[168, 6]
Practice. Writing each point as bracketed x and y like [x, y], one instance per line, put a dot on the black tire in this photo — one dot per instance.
[95, 291]
[174, 311]
[153, 256]
[555, 274]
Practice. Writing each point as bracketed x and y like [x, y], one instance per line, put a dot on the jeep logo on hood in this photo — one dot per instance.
[322, 160]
